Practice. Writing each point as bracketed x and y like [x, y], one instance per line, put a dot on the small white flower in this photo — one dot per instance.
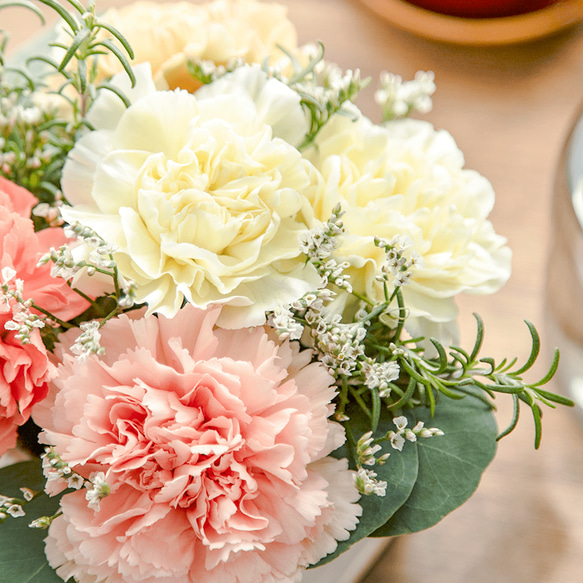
[397, 440]
[367, 484]
[8, 274]
[28, 494]
[15, 510]
[75, 481]
[399, 98]
[88, 341]
[400, 422]
[97, 489]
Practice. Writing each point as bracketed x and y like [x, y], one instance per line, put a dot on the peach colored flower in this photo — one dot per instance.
[214, 444]
[25, 370]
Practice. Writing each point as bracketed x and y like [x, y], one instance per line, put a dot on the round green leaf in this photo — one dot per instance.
[450, 466]
[22, 556]
[400, 473]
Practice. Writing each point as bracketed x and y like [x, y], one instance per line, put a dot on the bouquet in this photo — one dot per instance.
[228, 321]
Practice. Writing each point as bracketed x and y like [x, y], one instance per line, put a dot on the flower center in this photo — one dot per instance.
[210, 197]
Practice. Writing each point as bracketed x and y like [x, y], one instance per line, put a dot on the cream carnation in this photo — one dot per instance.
[199, 197]
[214, 447]
[406, 178]
[169, 35]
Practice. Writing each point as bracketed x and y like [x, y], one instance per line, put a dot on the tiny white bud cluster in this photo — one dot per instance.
[208, 71]
[398, 98]
[379, 375]
[101, 252]
[97, 489]
[365, 451]
[285, 324]
[339, 344]
[23, 321]
[23, 113]
[57, 470]
[399, 265]
[366, 483]
[41, 523]
[319, 243]
[337, 87]
[64, 264]
[88, 342]
[397, 438]
[98, 257]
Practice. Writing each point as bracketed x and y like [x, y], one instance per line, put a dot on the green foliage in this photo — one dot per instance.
[428, 478]
[427, 373]
[35, 139]
[450, 467]
[400, 473]
[22, 559]
[324, 93]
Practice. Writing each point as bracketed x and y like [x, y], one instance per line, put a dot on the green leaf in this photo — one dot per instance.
[400, 473]
[450, 466]
[22, 559]
[63, 13]
[80, 37]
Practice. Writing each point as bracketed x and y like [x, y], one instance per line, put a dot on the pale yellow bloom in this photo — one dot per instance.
[169, 35]
[199, 196]
[406, 178]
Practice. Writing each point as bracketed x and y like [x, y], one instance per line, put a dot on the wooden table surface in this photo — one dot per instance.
[509, 110]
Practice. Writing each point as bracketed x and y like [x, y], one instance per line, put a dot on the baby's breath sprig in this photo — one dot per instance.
[367, 447]
[398, 98]
[319, 243]
[24, 320]
[324, 89]
[97, 258]
[376, 365]
[400, 264]
[60, 475]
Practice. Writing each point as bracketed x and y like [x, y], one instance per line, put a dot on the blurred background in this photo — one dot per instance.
[509, 107]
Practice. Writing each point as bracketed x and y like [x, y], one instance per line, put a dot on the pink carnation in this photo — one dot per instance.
[214, 444]
[25, 370]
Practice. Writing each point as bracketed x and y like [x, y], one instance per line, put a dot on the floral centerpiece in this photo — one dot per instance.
[228, 303]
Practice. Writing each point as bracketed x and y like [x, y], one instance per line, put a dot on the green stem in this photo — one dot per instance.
[360, 401]
[52, 317]
[363, 298]
[402, 315]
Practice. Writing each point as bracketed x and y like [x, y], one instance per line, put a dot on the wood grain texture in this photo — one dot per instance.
[509, 110]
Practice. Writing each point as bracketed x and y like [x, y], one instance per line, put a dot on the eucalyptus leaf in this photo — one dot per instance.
[450, 466]
[400, 473]
[22, 556]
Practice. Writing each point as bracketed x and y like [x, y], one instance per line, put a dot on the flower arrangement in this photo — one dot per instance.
[228, 303]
